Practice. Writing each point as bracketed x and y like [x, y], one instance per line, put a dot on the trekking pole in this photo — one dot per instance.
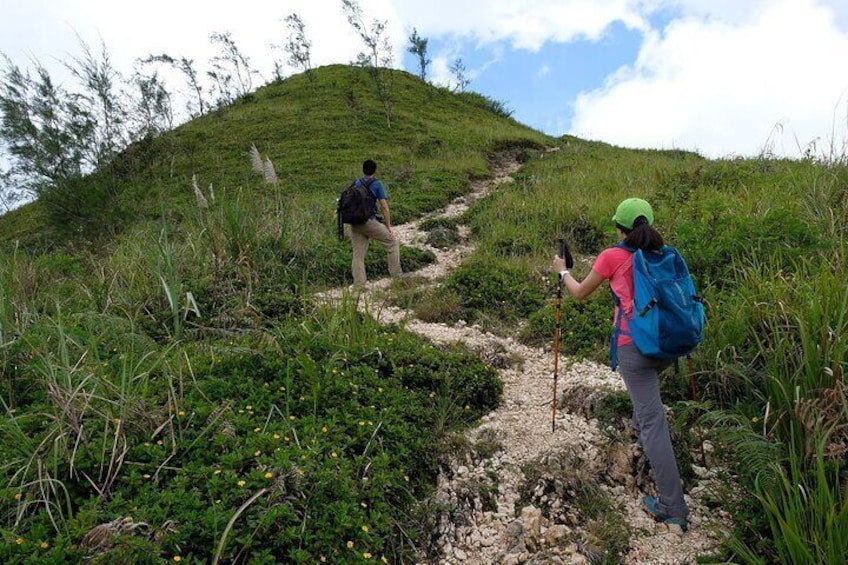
[556, 348]
[569, 262]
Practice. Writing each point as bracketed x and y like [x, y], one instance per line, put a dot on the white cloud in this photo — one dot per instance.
[524, 24]
[718, 78]
[724, 88]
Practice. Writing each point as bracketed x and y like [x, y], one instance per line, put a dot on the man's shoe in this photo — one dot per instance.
[651, 506]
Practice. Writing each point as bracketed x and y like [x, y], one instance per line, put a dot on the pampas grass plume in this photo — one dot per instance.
[256, 160]
[201, 200]
[270, 173]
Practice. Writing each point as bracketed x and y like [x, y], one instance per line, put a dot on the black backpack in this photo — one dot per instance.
[355, 204]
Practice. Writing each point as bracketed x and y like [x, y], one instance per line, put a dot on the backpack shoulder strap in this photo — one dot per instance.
[617, 324]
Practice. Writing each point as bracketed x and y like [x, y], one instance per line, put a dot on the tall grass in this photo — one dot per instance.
[765, 241]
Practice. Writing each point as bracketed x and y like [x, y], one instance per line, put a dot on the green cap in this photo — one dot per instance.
[630, 209]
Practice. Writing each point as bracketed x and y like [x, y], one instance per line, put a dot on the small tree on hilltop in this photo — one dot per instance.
[298, 46]
[458, 70]
[101, 103]
[379, 53]
[418, 47]
[152, 112]
[196, 105]
[231, 72]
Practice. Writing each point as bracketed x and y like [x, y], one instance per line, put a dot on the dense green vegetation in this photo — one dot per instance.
[765, 239]
[166, 374]
[164, 368]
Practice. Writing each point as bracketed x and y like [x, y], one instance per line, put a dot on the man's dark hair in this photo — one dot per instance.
[369, 167]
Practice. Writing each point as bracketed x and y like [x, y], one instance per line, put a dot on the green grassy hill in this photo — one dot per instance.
[316, 134]
[170, 389]
[163, 363]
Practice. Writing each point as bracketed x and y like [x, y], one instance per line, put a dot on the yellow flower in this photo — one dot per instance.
[365, 529]
[159, 442]
[248, 407]
[217, 471]
[257, 453]
[181, 413]
[334, 454]
[349, 544]
[269, 475]
[755, 419]
[20, 541]
[256, 430]
[276, 436]
[361, 422]
[291, 417]
[146, 475]
[383, 559]
[177, 558]
[44, 545]
[17, 496]
[241, 483]
[324, 429]
[366, 555]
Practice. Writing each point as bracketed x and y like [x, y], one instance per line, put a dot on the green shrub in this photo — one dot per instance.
[495, 288]
[585, 326]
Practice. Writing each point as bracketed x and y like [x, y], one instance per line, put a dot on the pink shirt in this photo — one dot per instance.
[615, 265]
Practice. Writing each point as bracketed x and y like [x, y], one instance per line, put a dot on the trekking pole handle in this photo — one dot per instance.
[564, 253]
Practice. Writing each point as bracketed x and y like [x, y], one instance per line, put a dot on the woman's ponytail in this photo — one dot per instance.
[643, 236]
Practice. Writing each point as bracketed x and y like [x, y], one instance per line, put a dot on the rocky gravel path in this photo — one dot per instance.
[491, 511]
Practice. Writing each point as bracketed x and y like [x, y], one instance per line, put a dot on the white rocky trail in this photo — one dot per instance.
[508, 526]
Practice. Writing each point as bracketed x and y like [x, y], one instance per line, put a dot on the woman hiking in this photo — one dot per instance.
[634, 219]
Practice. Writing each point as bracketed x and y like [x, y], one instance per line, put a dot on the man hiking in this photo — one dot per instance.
[362, 234]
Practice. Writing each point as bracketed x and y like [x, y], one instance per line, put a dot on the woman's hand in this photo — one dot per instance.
[558, 264]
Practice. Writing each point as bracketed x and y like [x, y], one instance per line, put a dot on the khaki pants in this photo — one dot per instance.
[360, 237]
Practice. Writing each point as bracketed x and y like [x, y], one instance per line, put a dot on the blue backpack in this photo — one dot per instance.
[668, 316]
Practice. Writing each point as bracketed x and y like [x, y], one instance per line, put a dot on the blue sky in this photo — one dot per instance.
[722, 77]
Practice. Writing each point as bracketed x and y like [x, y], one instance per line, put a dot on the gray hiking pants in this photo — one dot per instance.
[360, 236]
[641, 378]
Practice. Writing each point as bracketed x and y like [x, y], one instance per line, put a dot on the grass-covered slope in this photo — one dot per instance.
[170, 390]
[765, 241]
[316, 134]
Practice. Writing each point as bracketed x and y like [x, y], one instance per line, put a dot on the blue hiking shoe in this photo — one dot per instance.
[652, 506]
